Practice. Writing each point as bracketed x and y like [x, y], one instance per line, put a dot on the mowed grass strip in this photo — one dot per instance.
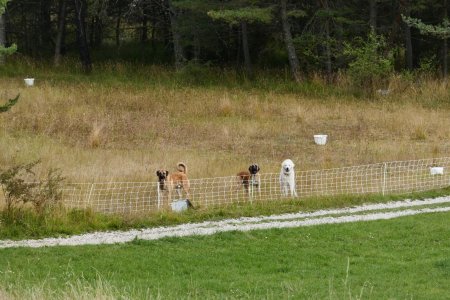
[392, 259]
[27, 224]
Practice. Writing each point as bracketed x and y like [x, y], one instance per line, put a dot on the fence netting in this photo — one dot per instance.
[380, 178]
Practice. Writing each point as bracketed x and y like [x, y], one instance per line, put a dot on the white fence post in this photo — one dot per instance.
[90, 193]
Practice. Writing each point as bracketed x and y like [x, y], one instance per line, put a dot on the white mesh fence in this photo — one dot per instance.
[381, 178]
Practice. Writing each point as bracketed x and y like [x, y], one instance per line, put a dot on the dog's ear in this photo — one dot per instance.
[257, 168]
[158, 173]
[167, 173]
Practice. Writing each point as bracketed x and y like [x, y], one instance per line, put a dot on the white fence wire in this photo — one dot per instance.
[381, 178]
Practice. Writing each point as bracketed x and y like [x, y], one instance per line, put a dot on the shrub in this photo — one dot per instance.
[48, 193]
[20, 186]
[16, 184]
[372, 63]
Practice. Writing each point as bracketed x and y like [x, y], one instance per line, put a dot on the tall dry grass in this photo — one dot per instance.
[93, 131]
[78, 289]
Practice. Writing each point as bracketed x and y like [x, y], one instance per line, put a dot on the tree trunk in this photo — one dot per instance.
[98, 40]
[2, 36]
[153, 14]
[144, 31]
[61, 29]
[406, 9]
[445, 47]
[327, 44]
[91, 32]
[45, 38]
[197, 47]
[24, 25]
[373, 15]
[80, 14]
[176, 37]
[292, 55]
[119, 19]
[245, 48]
[445, 59]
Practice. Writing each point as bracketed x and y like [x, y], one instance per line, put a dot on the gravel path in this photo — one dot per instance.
[361, 213]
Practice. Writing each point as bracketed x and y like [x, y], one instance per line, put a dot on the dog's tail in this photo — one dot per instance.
[182, 167]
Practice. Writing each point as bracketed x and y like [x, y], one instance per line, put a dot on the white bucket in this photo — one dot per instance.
[29, 81]
[320, 139]
[437, 170]
[179, 205]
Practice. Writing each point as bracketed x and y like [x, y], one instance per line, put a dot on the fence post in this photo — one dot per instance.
[383, 188]
[89, 197]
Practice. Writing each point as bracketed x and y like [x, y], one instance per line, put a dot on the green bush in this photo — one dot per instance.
[20, 186]
[372, 63]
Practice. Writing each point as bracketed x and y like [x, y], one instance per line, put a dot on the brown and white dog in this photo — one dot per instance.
[249, 179]
[177, 180]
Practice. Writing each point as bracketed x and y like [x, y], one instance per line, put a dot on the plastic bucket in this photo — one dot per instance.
[320, 139]
[29, 81]
[437, 170]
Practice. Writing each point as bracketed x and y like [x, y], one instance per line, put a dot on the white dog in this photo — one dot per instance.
[287, 178]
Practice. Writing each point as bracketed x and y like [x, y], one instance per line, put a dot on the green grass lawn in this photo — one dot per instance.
[394, 259]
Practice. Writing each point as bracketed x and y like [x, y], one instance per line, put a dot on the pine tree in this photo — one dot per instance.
[3, 49]
[237, 15]
[440, 31]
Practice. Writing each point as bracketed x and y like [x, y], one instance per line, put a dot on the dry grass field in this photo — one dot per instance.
[105, 132]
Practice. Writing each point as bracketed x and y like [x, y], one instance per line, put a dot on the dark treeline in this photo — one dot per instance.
[307, 36]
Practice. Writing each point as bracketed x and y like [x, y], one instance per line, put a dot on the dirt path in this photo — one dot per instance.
[362, 213]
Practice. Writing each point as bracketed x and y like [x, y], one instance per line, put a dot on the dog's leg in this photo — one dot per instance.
[158, 190]
[292, 188]
[295, 191]
[178, 189]
[283, 189]
[258, 183]
[287, 187]
[187, 191]
[187, 188]
[252, 185]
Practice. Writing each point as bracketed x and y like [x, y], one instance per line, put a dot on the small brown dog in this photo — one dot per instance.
[177, 180]
[250, 178]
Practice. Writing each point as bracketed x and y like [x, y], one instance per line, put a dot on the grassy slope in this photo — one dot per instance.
[395, 259]
[124, 122]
